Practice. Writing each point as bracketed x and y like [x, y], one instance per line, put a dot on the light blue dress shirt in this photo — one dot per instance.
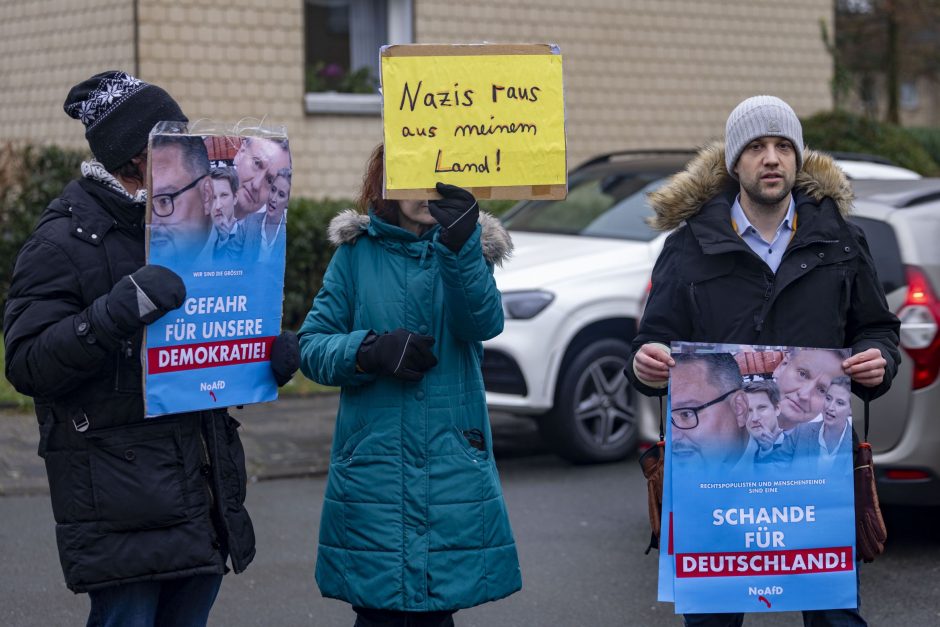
[771, 252]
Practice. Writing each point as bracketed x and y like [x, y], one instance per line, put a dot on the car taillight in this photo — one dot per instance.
[920, 318]
[901, 474]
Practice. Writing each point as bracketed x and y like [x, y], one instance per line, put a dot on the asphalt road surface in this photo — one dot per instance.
[581, 532]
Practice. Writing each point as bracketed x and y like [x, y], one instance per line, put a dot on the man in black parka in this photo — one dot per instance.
[147, 511]
[762, 254]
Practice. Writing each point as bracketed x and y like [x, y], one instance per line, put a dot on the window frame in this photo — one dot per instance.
[400, 31]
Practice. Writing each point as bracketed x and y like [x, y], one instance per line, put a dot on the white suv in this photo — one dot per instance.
[573, 292]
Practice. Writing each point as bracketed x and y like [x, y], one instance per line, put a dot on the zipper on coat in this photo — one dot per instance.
[424, 255]
[126, 352]
[759, 318]
[846, 292]
[206, 469]
[693, 302]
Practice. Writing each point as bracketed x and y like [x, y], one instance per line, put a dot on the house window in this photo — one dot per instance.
[855, 6]
[343, 38]
[910, 98]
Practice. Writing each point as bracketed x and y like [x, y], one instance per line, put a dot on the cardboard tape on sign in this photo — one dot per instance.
[517, 192]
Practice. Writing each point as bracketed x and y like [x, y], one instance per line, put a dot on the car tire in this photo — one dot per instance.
[594, 419]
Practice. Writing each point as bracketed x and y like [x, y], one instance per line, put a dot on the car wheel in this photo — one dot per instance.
[595, 417]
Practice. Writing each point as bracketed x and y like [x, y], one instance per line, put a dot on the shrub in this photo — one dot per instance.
[30, 178]
[843, 131]
[929, 138]
[497, 207]
[308, 254]
[10, 398]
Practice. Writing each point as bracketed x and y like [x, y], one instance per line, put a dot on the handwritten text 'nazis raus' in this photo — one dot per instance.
[456, 97]
[421, 98]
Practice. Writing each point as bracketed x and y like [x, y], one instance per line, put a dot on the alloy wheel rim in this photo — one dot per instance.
[603, 412]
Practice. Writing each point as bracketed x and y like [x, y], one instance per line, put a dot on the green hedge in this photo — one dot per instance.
[308, 254]
[30, 178]
[842, 131]
[497, 207]
[929, 138]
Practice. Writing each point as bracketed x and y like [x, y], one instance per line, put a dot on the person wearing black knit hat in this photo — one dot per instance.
[119, 111]
[148, 512]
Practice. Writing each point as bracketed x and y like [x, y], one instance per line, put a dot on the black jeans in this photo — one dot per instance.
[183, 602]
[811, 618]
[366, 617]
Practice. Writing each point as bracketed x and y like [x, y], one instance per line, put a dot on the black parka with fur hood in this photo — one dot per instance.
[133, 498]
[709, 286]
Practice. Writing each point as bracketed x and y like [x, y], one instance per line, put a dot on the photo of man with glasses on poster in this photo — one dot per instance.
[181, 195]
[709, 412]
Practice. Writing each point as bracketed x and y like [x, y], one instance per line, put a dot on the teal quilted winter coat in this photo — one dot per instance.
[414, 517]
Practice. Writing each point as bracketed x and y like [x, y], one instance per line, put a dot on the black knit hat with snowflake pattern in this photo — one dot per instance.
[119, 111]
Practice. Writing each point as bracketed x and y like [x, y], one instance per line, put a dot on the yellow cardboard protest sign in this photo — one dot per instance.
[489, 118]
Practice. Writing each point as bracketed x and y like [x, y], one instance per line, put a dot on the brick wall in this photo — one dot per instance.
[46, 46]
[638, 73]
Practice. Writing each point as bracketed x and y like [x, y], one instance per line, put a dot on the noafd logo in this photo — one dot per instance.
[768, 591]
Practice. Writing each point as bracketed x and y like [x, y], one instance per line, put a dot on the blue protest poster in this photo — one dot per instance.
[762, 497]
[217, 216]
[667, 571]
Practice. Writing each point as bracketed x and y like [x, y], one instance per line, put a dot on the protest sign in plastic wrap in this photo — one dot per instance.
[759, 456]
[217, 216]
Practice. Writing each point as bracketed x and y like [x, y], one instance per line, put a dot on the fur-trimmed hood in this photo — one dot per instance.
[705, 177]
[349, 224]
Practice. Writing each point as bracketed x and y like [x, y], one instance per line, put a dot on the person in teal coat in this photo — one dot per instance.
[414, 525]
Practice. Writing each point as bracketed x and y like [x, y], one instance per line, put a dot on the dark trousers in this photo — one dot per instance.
[183, 602]
[390, 618]
[813, 618]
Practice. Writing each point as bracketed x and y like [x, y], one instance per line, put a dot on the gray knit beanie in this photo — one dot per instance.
[757, 117]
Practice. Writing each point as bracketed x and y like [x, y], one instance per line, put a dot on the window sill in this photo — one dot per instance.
[343, 104]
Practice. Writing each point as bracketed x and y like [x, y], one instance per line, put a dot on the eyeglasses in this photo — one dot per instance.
[687, 417]
[163, 204]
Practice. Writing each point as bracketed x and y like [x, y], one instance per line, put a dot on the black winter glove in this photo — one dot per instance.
[134, 302]
[401, 354]
[457, 212]
[145, 296]
[285, 357]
